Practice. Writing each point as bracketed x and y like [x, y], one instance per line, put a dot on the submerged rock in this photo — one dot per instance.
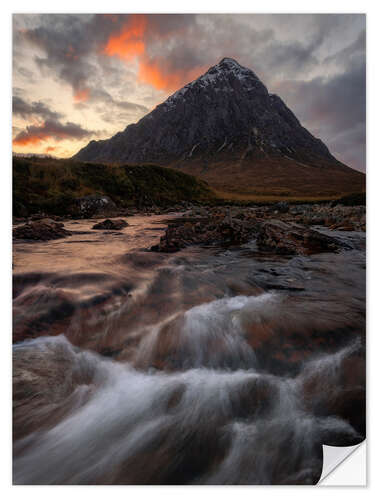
[44, 230]
[111, 224]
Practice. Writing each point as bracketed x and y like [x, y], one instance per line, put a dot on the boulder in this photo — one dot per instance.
[205, 231]
[111, 224]
[87, 206]
[282, 207]
[293, 239]
[43, 230]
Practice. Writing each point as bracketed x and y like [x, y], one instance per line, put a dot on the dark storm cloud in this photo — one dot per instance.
[351, 145]
[38, 109]
[67, 41]
[287, 57]
[338, 102]
[162, 24]
[335, 109]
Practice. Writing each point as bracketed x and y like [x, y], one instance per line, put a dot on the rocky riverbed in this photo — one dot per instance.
[216, 345]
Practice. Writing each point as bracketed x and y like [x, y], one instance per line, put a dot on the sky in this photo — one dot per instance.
[78, 77]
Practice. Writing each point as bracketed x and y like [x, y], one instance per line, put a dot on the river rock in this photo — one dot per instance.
[87, 206]
[292, 239]
[205, 231]
[44, 230]
[111, 224]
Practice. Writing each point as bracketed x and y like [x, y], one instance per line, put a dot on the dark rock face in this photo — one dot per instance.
[227, 111]
[111, 224]
[45, 229]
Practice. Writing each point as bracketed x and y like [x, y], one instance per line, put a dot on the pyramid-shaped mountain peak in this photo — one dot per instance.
[225, 127]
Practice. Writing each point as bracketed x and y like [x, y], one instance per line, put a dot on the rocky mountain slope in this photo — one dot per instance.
[226, 128]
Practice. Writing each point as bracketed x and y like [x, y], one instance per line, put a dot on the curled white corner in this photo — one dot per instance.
[355, 467]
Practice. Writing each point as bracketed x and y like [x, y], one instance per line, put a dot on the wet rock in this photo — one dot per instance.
[111, 224]
[292, 239]
[90, 205]
[44, 380]
[206, 231]
[42, 230]
[333, 217]
[339, 393]
[282, 207]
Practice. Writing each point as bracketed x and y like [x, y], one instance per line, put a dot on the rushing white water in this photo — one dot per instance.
[122, 417]
[198, 368]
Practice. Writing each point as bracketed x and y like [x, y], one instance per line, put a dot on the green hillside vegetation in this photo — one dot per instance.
[51, 186]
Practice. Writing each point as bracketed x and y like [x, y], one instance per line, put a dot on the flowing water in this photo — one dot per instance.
[208, 366]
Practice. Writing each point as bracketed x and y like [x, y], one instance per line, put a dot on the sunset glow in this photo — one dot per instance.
[129, 43]
[81, 95]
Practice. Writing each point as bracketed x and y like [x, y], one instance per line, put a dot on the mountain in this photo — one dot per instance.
[227, 129]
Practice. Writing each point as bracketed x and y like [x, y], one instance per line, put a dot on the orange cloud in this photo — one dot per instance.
[30, 139]
[50, 149]
[152, 73]
[130, 42]
[70, 53]
[81, 95]
[34, 134]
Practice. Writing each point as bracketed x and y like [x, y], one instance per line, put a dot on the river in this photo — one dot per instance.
[207, 366]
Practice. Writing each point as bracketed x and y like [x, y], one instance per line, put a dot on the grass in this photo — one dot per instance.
[52, 186]
[270, 198]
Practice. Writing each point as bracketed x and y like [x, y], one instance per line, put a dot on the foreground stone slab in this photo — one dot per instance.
[44, 230]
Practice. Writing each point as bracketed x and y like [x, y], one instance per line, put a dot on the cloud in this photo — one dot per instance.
[35, 109]
[334, 108]
[98, 95]
[50, 129]
[137, 38]
[129, 43]
[66, 42]
[81, 95]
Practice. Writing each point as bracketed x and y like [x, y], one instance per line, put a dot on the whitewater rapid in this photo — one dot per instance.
[127, 425]
[204, 367]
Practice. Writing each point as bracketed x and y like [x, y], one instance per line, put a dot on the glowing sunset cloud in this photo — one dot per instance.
[31, 139]
[153, 74]
[81, 95]
[34, 134]
[129, 43]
